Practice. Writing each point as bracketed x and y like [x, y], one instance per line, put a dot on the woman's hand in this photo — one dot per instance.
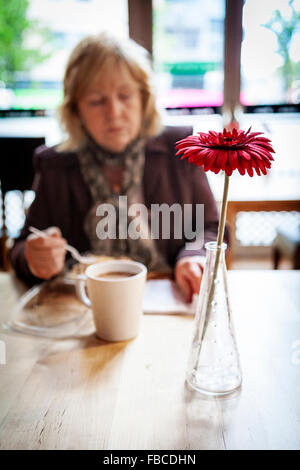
[45, 256]
[188, 275]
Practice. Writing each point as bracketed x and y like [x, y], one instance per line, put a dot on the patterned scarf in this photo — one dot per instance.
[94, 160]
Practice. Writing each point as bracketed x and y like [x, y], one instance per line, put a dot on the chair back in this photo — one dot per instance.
[16, 173]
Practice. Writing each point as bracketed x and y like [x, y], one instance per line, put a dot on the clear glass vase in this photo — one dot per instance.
[213, 365]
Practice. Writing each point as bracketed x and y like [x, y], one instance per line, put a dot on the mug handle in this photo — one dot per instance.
[80, 290]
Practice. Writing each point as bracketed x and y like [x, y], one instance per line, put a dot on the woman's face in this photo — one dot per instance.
[111, 111]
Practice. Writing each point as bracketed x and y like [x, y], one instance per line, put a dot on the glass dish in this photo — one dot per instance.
[50, 309]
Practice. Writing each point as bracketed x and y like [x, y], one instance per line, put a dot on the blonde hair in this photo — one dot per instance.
[95, 56]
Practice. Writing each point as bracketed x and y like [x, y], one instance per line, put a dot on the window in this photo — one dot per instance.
[67, 21]
[188, 52]
[270, 56]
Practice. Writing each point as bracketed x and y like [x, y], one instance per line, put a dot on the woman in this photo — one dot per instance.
[115, 147]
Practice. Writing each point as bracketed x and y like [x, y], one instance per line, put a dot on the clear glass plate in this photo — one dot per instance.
[50, 309]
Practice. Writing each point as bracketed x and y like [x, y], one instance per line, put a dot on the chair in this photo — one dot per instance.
[287, 243]
[16, 173]
[234, 207]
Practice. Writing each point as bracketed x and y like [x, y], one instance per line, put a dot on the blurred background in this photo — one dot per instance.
[215, 62]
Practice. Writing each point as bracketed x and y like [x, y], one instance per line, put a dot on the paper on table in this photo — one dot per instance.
[164, 296]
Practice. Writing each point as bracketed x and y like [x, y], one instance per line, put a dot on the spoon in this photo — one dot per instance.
[74, 252]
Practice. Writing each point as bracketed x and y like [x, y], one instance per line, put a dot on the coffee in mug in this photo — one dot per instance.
[114, 275]
[115, 295]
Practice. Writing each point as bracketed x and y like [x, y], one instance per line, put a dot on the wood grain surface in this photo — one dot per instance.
[83, 393]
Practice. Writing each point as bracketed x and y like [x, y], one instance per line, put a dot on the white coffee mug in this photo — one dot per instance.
[116, 302]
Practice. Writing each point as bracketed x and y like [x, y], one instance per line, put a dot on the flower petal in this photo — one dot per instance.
[228, 170]
[221, 159]
[244, 154]
[233, 159]
[249, 169]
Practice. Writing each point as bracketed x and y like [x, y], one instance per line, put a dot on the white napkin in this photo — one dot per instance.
[164, 296]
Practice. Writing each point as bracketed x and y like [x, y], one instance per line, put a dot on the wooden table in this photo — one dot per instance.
[82, 393]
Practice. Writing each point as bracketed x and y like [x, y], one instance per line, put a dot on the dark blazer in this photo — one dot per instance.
[63, 199]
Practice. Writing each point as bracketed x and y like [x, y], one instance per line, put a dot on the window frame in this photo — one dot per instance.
[140, 29]
[140, 20]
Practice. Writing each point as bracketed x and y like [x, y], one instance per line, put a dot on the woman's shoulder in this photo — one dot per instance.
[177, 132]
[52, 157]
[165, 141]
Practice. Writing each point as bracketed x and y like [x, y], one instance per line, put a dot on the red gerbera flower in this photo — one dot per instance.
[228, 151]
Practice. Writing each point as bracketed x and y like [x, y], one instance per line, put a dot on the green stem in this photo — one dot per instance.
[221, 229]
